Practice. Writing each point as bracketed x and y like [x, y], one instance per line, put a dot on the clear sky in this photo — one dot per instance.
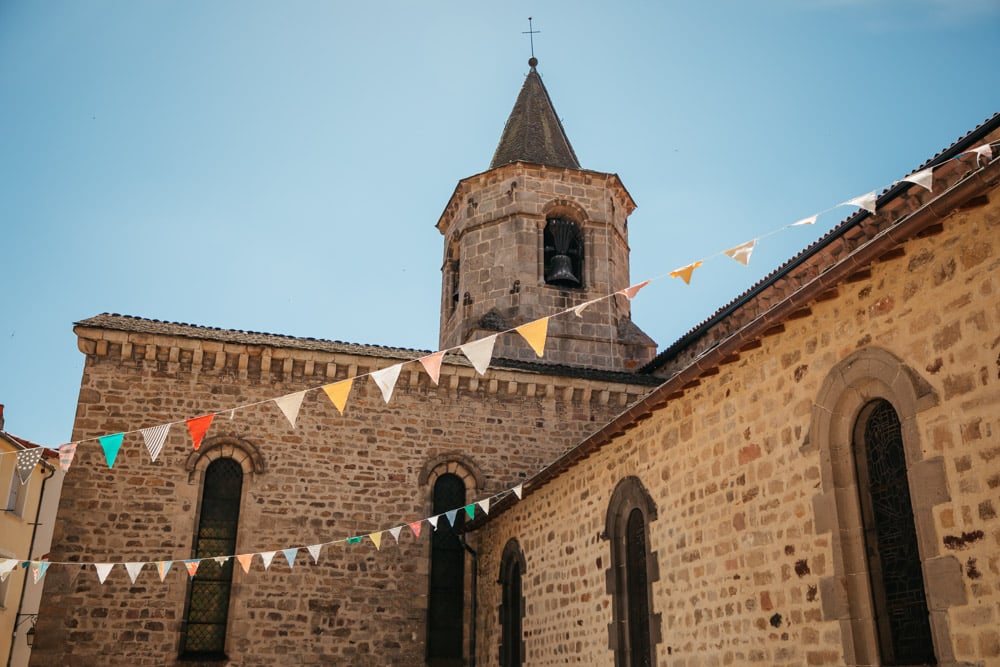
[280, 167]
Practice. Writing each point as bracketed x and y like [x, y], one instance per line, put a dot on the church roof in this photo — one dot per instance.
[533, 132]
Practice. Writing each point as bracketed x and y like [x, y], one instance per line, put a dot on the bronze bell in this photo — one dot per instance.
[561, 272]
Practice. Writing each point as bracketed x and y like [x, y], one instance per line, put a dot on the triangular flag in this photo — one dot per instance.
[66, 454]
[518, 490]
[376, 539]
[450, 515]
[7, 566]
[811, 220]
[245, 560]
[111, 445]
[534, 333]
[27, 459]
[742, 252]
[470, 510]
[985, 151]
[103, 569]
[290, 405]
[480, 352]
[154, 437]
[198, 426]
[433, 520]
[314, 550]
[290, 555]
[432, 364]
[395, 533]
[338, 391]
[630, 292]
[578, 311]
[484, 505]
[354, 540]
[924, 178]
[415, 527]
[267, 557]
[865, 201]
[386, 379]
[220, 560]
[192, 566]
[133, 570]
[162, 567]
[38, 568]
[684, 273]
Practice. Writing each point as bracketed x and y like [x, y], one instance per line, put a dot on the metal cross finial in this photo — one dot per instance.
[531, 35]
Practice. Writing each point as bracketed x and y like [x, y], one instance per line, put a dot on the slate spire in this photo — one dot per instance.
[533, 132]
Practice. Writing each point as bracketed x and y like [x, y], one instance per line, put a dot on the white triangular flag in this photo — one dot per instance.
[220, 560]
[386, 379]
[154, 437]
[314, 550]
[924, 178]
[518, 490]
[578, 310]
[742, 252]
[267, 557]
[484, 505]
[7, 566]
[395, 533]
[290, 405]
[865, 201]
[102, 570]
[133, 570]
[433, 520]
[480, 352]
[811, 220]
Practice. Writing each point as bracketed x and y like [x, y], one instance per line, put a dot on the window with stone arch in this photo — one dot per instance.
[891, 588]
[563, 245]
[512, 607]
[451, 480]
[635, 628]
[223, 465]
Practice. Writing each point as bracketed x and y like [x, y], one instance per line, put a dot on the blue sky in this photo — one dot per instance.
[279, 167]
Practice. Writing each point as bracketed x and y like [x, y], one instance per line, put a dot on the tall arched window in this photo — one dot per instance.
[445, 609]
[207, 612]
[563, 245]
[902, 620]
[511, 605]
[635, 629]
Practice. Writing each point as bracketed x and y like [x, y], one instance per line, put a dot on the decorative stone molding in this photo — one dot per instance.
[243, 452]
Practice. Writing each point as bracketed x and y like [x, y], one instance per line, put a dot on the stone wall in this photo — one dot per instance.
[329, 478]
[755, 530]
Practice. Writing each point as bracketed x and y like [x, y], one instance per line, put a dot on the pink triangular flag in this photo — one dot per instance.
[924, 178]
[162, 567]
[290, 405]
[198, 426]
[154, 437]
[865, 201]
[684, 273]
[245, 560]
[376, 539]
[103, 569]
[395, 533]
[433, 520]
[518, 490]
[432, 364]
[484, 505]
[742, 252]
[415, 527]
[338, 392]
[267, 557]
[386, 379]
[630, 292]
[66, 454]
[811, 220]
[314, 550]
[192, 566]
[480, 352]
[535, 333]
[133, 570]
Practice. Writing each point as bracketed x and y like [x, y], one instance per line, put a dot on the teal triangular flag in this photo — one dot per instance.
[111, 445]
[450, 514]
[290, 555]
[470, 510]
[354, 540]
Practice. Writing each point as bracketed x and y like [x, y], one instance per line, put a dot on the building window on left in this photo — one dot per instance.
[207, 612]
[17, 496]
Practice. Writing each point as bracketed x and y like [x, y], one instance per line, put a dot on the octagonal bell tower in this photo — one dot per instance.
[534, 235]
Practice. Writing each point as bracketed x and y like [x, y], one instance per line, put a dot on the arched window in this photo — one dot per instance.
[207, 611]
[511, 605]
[563, 244]
[445, 609]
[902, 620]
[635, 629]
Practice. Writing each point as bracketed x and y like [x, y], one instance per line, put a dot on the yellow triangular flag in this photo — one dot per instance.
[684, 273]
[535, 333]
[377, 539]
[338, 392]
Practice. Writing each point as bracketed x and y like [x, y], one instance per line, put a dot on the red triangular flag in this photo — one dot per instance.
[198, 426]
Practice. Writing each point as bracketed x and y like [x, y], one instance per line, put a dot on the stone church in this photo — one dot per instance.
[811, 476]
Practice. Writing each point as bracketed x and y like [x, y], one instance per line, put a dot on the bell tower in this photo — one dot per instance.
[534, 235]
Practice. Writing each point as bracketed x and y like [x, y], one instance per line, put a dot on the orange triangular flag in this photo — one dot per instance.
[630, 292]
[192, 566]
[534, 333]
[245, 560]
[198, 426]
[338, 391]
[684, 273]
[432, 364]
